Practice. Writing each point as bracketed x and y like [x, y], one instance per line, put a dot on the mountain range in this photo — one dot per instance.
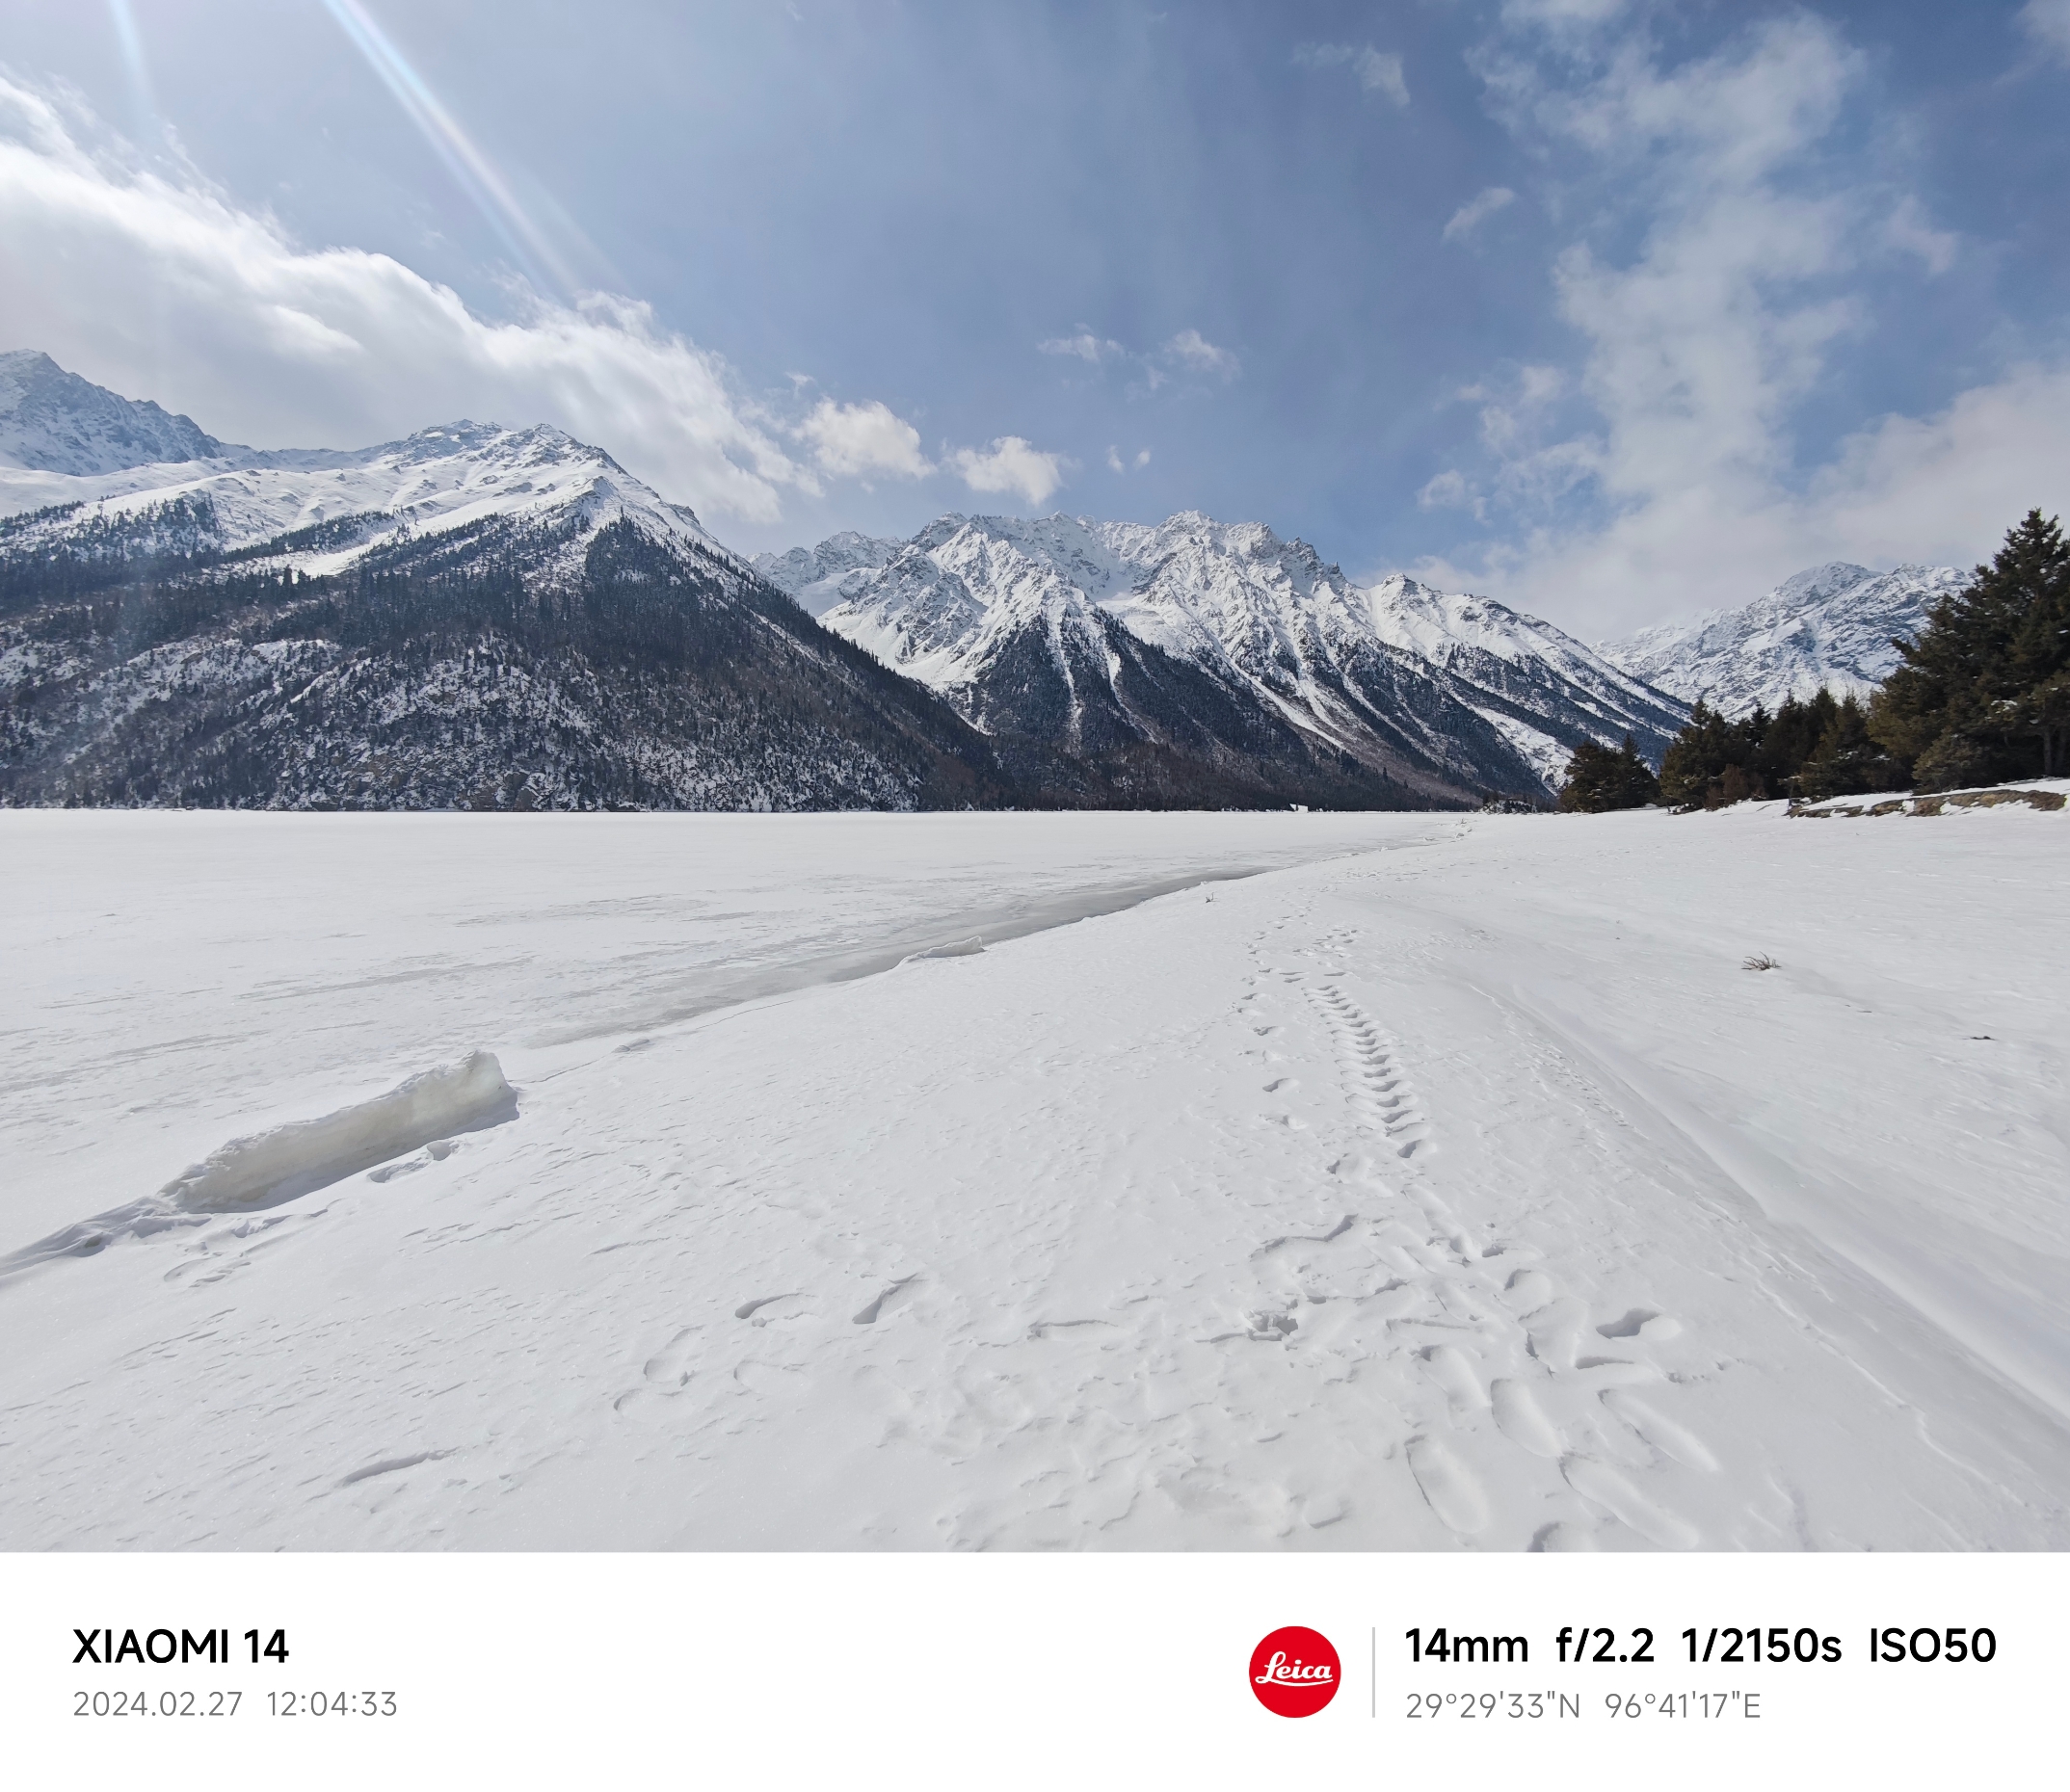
[1833, 627]
[506, 618]
[1075, 629]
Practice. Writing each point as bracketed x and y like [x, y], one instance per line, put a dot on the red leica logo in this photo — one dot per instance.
[1294, 1671]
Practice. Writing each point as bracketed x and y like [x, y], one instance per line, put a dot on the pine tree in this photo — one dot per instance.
[1599, 779]
[1979, 697]
[1847, 761]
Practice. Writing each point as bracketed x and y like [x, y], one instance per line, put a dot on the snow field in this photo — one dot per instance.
[1462, 1191]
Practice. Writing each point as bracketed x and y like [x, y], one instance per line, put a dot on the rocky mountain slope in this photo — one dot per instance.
[838, 568]
[489, 616]
[495, 617]
[1014, 621]
[471, 616]
[1830, 626]
[54, 422]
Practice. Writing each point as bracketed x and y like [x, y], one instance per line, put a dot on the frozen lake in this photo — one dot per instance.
[1374, 1181]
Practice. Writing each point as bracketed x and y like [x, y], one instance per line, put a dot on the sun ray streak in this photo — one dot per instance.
[478, 176]
[131, 43]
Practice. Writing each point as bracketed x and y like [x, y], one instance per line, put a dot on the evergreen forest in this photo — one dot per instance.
[1981, 697]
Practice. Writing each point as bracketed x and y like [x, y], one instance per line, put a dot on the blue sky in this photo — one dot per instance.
[1615, 309]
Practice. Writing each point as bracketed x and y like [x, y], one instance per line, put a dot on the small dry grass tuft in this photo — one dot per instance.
[1761, 960]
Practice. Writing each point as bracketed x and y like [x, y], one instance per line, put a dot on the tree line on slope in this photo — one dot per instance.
[1983, 696]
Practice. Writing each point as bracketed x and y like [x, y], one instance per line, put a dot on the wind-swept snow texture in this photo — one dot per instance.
[1833, 627]
[1449, 1183]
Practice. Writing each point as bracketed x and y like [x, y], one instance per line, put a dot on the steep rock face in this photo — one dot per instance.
[1830, 626]
[54, 422]
[1449, 699]
[1541, 688]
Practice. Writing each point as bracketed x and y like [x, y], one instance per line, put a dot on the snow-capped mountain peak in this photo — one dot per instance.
[1476, 694]
[1830, 626]
[817, 578]
[54, 422]
[451, 476]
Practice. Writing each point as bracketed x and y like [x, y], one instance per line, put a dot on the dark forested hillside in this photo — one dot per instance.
[495, 666]
[514, 664]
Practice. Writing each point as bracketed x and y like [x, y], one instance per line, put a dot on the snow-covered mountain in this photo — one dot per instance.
[476, 614]
[1012, 621]
[455, 476]
[817, 578]
[54, 422]
[1829, 626]
[473, 615]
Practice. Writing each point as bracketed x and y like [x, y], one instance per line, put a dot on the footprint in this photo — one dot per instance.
[1528, 1290]
[1555, 1330]
[748, 1309]
[1449, 1487]
[670, 1366]
[1453, 1371]
[869, 1315]
[1663, 1433]
[1517, 1412]
[1601, 1484]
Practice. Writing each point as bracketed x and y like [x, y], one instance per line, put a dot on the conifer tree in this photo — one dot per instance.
[1979, 696]
[1599, 779]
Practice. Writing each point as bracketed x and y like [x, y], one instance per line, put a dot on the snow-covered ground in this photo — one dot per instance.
[1451, 1183]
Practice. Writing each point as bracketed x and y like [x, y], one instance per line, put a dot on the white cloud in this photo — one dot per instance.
[1195, 351]
[1011, 464]
[145, 277]
[1908, 229]
[1448, 491]
[1559, 13]
[1662, 476]
[1085, 346]
[1379, 72]
[1114, 459]
[2048, 23]
[1938, 491]
[1142, 459]
[854, 441]
[1483, 204]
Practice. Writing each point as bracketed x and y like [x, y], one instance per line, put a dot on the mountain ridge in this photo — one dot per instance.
[1831, 626]
[1453, 695]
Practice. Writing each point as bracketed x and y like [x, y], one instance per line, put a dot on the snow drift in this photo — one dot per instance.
[306, 1155]
[266, 1169]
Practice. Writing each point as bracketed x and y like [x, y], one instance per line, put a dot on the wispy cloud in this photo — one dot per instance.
[1011, 464]
[1485, 204]
[1190, 349]
[145, 277]
[1085, 346]
[1663, 471]
[2048, 23]
[1378, 71]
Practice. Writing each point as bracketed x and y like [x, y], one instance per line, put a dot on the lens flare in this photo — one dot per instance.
[477, 175]
[132, 46]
